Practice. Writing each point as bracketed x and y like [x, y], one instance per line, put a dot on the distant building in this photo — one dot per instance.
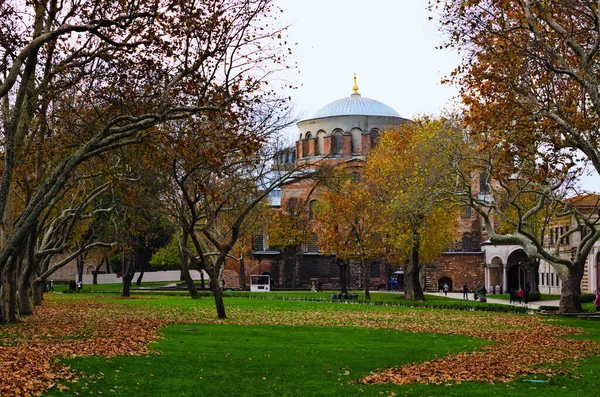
[343, 132]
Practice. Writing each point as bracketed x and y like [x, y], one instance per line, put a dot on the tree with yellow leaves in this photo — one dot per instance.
[410, 167]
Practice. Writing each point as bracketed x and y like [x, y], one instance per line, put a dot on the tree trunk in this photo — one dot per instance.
[242, 274]
[570, 297]
[25, 303]
[201, 279]
[141, 276]
[297, 264]
[25, 281]
[9, 311]
[185, 272]
[366, 278]
[97, 269]
[185, 268]
[79, 262]
[37, 292]
[412, 286]
[128, 268]
[343, 281]
[216, 278]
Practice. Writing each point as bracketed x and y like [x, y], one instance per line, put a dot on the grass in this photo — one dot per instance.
[291, 358]
[226, 360]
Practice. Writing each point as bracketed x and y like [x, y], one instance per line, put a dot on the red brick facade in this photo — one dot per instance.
[459, 268]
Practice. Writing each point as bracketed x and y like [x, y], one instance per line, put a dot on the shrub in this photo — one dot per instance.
[534, 296]
[586, 298]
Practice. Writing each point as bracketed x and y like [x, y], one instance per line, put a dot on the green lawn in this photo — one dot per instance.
[226, 360]
[287, 357]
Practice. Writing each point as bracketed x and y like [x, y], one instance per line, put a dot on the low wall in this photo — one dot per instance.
[167, 275]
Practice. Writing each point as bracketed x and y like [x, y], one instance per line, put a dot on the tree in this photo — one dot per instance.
[529, 79]
[289, 229]
[81, 79]
[412, 173]
[349, 225]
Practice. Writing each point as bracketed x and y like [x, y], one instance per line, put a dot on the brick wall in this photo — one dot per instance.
[460, 268]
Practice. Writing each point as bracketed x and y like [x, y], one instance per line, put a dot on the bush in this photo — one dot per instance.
[534, 296]
[586, 298]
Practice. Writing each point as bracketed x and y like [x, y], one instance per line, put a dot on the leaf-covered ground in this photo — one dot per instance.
[68, 326]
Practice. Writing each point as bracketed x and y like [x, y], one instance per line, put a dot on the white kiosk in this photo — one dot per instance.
[260, 283]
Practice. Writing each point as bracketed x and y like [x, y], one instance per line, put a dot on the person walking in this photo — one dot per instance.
[520, 295]
[597, 302]
[446, 288]
[466, 292]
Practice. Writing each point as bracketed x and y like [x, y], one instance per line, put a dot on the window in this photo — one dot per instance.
[258, 242]
[355, 176]
[467, 242]
[484, 183]
[311, 208]
[375, 270]
[334, 269]
[468, 212]
[314, 269]
[338, 146]
[374, 138]
[306, 145]
[292, 205]
[312, 245]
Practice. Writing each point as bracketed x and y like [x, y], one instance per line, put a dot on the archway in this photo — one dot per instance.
[445, 280]
[518, 271]
[516, 277]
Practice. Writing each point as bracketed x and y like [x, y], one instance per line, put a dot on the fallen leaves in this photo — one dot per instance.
[68, 326]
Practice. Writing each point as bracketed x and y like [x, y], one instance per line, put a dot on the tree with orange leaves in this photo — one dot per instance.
[529, 79]
[81, 79]
[349, 225]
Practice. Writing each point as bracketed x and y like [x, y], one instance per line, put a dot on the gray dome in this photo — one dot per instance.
[355, 105]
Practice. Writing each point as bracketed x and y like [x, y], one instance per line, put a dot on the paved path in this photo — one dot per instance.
[490, 298]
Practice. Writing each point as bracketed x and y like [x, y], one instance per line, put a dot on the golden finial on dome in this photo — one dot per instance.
[355, 86]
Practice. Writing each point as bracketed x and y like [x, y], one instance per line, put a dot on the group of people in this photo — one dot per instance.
[75, 286]
[317, 288]
[521, 296]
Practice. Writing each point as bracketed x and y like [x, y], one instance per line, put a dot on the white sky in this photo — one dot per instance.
[390, 44]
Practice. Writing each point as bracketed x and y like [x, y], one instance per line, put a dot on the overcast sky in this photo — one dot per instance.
[390, 44]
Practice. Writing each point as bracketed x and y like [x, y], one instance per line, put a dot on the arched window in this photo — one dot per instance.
[374, 138]
[484, 183]
[467, 242]
[468, 212]
[334, 269]
[356, 140]
[375, 269]
[320, 144]
[311, 208]
[338, 146]
[312, 245]
[258, 241]
[306, 145]
[314, 269]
